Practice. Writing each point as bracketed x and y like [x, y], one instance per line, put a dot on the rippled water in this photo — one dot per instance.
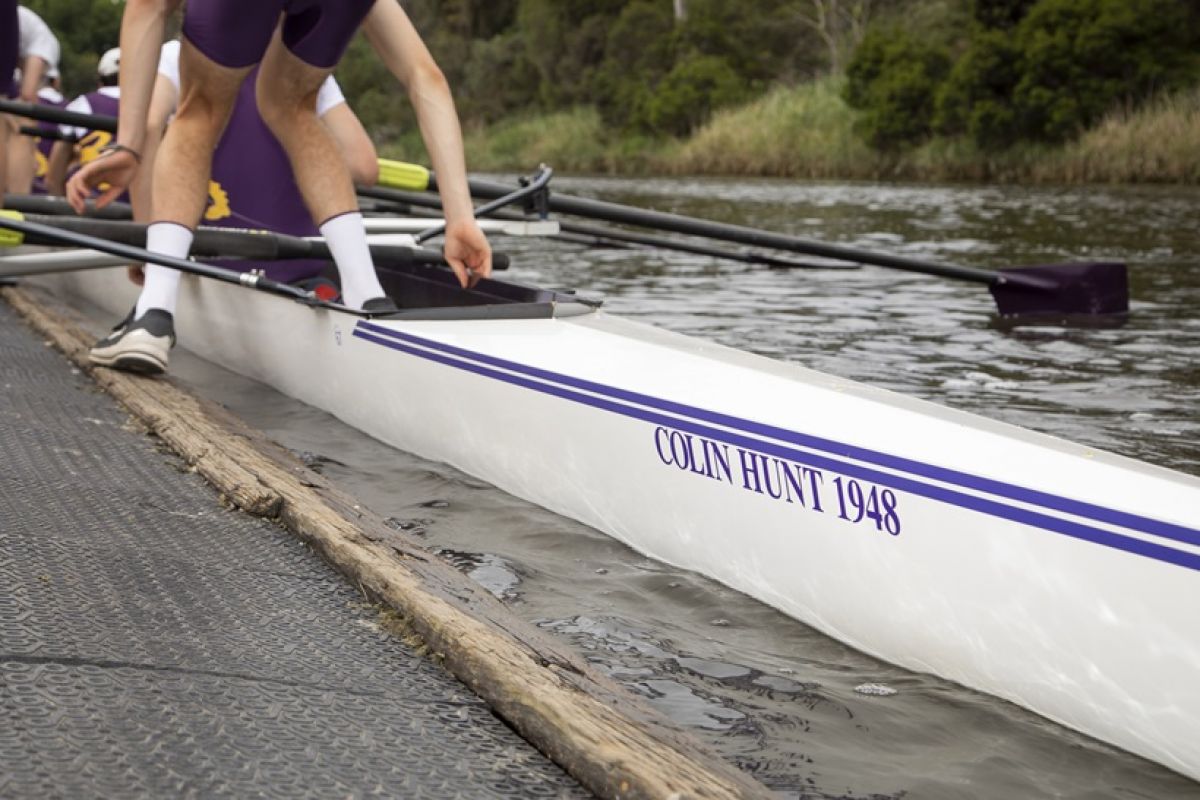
[767, 692]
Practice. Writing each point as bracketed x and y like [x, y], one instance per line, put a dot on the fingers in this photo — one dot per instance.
[483, 270]
[460, 271]
[77, 193]
[106, 197]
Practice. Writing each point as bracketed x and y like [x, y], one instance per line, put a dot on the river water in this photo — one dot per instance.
[769, 693]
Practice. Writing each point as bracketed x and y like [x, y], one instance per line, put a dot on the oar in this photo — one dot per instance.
[601, 236]
[22, 231]
[238, 243]
[1091, 288]
[48, 133]
[58, 206]
[93, 122]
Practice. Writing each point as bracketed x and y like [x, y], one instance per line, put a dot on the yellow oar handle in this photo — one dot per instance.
[11, 238]
[400, 175]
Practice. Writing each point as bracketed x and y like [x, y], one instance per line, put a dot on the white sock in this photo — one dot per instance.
[347, 240]
[161, 289]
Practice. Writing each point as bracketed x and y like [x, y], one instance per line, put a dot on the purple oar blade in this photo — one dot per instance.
[1062, 289]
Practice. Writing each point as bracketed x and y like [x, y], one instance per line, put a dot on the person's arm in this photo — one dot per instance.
[401, 49]
[352, 139]
[143, 27]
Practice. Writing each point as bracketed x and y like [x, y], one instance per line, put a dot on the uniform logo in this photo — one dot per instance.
[218, 203]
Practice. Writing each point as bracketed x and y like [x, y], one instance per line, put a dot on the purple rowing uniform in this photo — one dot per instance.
[45, 144]
[235, 33]
[10, 44]
[253, 187]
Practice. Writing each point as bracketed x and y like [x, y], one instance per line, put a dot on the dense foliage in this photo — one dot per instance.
[644, 69]
[85, 30]
[993, 72]
[1025, 70]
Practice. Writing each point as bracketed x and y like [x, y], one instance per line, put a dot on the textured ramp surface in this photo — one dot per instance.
[154, 644]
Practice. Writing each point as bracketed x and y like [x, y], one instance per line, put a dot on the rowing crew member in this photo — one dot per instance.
[87, 143]
[223, 41]
[32, 47]
[252, 187]
[49, 95]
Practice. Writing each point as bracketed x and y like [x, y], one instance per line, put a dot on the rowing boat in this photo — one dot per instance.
[1056, 576]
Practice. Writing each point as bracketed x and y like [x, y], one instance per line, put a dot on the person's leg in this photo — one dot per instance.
[22, 162]
[287, 91]
[4, 123]
[223, 39]
[183, 165]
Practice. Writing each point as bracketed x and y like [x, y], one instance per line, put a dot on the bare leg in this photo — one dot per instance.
[4, 123]
[287, 100]
[22, 163]
[182, 168]
[183, 165]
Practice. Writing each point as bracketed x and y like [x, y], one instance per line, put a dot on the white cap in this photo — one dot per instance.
[110, 63]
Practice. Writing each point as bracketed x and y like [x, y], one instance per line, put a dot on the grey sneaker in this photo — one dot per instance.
[140, 345]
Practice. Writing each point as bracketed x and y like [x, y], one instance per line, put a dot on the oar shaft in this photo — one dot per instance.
[48, 133]
[676, 223]
[45, 204]
[248, 245]
[93, 122]
[598, 235]
[36, 233]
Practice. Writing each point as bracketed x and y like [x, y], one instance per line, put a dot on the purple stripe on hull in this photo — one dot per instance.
[617, 401]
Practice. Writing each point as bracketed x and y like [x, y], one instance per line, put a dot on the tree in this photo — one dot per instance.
[841, 25]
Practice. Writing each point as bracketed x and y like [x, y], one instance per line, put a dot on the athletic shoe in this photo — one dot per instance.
[141, 345]
[380, 305]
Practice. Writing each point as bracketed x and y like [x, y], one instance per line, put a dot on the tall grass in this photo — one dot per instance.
[1157, 144]
[807, 131]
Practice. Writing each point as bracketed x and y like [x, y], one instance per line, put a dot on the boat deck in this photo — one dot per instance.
[155, 643]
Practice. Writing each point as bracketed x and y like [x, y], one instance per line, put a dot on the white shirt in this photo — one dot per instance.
[82, 105]
[36, 38]
[330, 96]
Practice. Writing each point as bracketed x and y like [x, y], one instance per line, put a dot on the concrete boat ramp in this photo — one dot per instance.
[187, 611]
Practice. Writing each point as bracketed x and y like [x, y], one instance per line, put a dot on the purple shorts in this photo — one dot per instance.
[10, 43]
[235, 33]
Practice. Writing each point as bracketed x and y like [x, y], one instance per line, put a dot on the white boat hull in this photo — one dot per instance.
[1061, 578]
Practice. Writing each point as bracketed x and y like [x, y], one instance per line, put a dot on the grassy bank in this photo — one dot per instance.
[807, 132]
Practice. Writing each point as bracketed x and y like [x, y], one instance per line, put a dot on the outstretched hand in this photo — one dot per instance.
[467, 252]
[110, 174]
